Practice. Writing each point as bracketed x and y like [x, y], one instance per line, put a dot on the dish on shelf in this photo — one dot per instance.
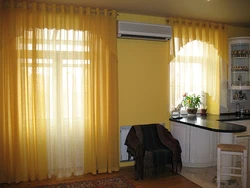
[240, 53]
[241, 83]
[240, 68]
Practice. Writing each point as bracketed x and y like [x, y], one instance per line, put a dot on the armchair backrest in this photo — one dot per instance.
[151, 140]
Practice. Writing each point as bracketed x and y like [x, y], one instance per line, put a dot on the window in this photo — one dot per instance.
[59, 61]
[189, 71]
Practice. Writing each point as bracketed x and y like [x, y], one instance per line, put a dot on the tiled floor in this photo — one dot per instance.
[205, 177]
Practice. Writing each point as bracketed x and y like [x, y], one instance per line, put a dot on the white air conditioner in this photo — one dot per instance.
[144, 31]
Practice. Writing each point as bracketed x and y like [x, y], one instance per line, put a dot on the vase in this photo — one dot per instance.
[192, 111]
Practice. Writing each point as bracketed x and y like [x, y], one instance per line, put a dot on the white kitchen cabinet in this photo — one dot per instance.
[202, 147]
[198, 145]
[182, 134]
[239, 69]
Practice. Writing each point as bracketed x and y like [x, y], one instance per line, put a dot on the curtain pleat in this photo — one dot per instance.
[59, 91]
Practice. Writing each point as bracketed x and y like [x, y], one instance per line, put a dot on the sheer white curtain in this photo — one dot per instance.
[65, 102]
[192, 69]
[61, 76]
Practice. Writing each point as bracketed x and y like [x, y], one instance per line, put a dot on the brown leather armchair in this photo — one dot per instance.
[153, 146]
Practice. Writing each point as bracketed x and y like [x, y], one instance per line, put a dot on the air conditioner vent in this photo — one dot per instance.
[143, 37]
[144, 31]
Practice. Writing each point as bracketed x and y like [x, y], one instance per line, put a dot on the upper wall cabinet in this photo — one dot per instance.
[239, 68]
[239, 63]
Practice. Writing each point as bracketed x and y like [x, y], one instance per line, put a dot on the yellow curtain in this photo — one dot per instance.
[58, 91]
[188, 30]
[214, 62]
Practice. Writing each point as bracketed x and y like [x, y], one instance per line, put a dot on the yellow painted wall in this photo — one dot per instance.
[143, 78]
[142, 82]
[238, 31]
[141, 18]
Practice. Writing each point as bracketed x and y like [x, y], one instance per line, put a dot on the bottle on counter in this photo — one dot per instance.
[242, 110]
[237, 109]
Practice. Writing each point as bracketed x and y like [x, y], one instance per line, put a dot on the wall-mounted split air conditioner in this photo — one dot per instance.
[144, 31]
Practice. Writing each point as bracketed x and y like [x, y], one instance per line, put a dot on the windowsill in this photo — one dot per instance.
[184, 112]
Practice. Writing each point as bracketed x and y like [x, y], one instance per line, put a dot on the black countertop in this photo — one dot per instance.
[216, 123]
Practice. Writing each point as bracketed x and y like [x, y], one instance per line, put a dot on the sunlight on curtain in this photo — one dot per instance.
[62, 70]
[199, 59]
[190, 69]
[58, 94]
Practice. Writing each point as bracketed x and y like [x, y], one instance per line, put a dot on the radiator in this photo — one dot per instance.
[123, 148]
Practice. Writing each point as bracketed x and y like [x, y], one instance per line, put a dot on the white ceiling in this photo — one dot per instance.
[232, 12]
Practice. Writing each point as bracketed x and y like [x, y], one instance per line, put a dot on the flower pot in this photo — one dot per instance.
[192, 111]
[203, 111]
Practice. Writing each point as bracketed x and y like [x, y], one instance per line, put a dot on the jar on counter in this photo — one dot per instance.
[242, 111]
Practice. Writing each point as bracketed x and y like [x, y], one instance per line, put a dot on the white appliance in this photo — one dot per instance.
[144, 31]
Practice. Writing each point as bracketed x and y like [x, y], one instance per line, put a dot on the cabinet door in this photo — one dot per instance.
[239, 58]
[182, 133]
[239, 69]
[203, 146]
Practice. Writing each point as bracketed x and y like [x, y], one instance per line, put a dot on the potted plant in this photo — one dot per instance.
[204, 110]
[191, 102]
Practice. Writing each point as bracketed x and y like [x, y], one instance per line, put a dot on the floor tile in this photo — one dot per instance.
[205, 177]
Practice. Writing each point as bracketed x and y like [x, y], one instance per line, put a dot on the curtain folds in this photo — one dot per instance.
[188, 30]
[58, 91]
[212, 56]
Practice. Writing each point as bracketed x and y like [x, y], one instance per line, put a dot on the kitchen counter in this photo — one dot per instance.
[216, 123]
[232, 117]
[199, 135]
